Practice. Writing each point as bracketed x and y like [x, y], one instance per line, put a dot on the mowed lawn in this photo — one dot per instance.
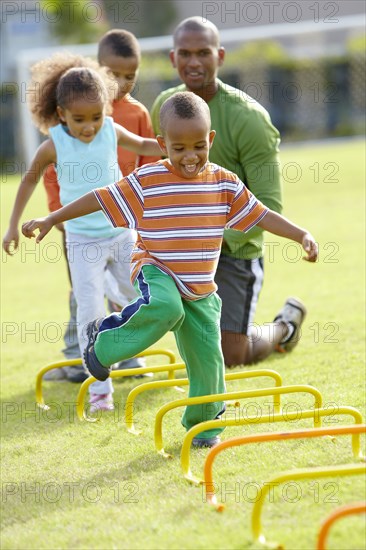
[68, 484]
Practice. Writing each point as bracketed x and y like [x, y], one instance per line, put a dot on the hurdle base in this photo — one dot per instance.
[134, 431]
[192, 479]
[164, 454]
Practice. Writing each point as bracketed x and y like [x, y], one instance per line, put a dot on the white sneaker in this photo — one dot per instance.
[101, 402]
[293, 313]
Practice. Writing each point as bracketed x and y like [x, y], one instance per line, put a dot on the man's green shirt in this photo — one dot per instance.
[246, 143]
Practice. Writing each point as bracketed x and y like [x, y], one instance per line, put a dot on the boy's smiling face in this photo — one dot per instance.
[186, 142]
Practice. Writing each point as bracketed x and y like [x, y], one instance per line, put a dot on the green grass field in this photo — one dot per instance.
[68, 484]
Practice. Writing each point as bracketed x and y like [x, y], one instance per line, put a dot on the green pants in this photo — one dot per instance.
[196, 326]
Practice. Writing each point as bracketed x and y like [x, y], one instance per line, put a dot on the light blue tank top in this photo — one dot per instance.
[82, 167]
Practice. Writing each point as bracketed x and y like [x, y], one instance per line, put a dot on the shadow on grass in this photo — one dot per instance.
[39, 498]
[20, 413]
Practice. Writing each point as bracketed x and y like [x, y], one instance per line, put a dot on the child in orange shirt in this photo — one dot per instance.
[118, 50]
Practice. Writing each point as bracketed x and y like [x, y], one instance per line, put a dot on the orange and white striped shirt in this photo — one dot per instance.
[180, 222]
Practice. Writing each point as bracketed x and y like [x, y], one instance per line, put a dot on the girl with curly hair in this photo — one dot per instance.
[70, 98]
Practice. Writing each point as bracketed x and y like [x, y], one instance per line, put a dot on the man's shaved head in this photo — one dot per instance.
[196, 24]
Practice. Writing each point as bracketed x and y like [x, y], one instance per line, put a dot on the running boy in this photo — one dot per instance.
[180, 207]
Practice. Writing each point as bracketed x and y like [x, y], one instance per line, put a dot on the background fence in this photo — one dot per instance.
[308, 98]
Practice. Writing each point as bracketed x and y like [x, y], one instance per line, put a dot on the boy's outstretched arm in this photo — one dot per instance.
[80, 207]
[278, 225]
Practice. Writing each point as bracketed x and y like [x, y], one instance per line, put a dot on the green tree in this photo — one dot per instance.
[75, 21]
[142, 17]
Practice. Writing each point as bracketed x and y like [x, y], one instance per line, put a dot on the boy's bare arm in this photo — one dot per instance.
[137, 144]
[278, 225]
[80, 207]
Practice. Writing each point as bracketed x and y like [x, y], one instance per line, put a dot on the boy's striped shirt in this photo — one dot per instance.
[180, 222]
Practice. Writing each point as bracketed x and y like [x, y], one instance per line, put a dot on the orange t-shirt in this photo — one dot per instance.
[132, 115]
[180, 222]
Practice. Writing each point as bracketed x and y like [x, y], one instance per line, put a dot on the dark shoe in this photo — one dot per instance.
[208, 442]
[96, 369]
[77, 375]
[134, 363]
[92, 330]
[55, 375]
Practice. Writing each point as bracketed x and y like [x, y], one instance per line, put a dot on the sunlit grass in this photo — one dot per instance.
[68, 484]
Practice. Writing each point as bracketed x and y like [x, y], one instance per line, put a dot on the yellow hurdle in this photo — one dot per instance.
[340, 512]
[39, 379]
[264, 437]
[244, 394]
[161, 384]
[77, 362]
[304, 473]
[80, 404]
[279, 417]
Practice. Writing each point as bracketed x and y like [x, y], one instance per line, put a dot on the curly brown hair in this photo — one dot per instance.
[62, 79]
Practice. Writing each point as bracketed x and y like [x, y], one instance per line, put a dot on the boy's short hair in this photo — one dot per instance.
[184, 105]
[119, 42]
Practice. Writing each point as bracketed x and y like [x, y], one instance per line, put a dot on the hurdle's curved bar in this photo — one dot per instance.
[77, 362]
[279, 417]
[264, 437]
[303, 473]
[161, 384]
[340, 512]
[39, 378]
[243, 394]
[80, 403]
